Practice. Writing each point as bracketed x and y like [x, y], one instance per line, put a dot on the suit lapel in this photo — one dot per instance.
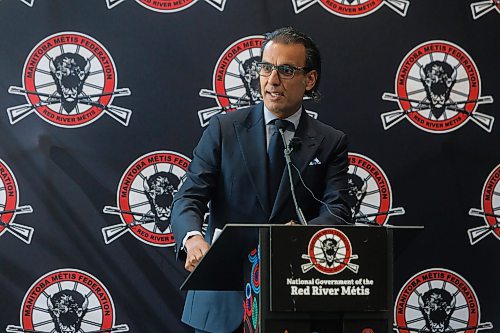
[311, 139]
[252, 141]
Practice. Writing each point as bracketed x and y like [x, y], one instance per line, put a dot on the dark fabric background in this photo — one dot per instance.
[69, 175]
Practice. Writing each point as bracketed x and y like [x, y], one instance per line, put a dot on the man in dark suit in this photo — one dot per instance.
[235, 170]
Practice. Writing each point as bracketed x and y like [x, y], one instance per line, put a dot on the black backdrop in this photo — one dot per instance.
[68, 174]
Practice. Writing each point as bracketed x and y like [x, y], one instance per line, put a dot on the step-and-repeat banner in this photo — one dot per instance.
[102, 102]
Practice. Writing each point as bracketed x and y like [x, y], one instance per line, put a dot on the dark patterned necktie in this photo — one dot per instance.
[276, 157]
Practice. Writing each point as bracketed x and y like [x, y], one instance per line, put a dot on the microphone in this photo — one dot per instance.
[294, 144]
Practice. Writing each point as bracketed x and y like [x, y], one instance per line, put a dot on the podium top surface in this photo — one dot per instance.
[221, 267]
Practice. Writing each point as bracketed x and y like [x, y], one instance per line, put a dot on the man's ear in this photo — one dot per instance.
[310, 79]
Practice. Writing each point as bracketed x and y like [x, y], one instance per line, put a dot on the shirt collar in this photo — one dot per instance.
[294, 118]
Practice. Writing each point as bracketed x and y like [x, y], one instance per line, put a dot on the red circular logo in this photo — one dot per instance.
[329, 251]
[436, 300]
[351, 9]
[166, 6]
[437, 86]
[491, 199]
[79, 297]
[235, 73]
[9, 197]
[69, 79]
[371, 189]
[145, 195]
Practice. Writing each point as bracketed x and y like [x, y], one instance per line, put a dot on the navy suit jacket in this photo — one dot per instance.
[229, 170]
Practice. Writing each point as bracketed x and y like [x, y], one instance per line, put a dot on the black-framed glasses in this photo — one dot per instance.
[284, 71]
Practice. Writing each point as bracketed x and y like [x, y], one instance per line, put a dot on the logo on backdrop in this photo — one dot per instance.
[369, 191]
[28, 2]
[67, 301]
[329, 252]
[438, 90]
[168, 6]
[437, 300]
[490, 207]
[69, 80]
[9, 206]
[144, 198]
[481, 8]
[236, 82]
[353, 8]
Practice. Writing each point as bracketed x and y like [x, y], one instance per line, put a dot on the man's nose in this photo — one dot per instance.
[274, 78]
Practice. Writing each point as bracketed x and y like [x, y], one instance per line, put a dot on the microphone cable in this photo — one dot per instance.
[318, 200]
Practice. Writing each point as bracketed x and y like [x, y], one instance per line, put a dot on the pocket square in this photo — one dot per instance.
[315, 161]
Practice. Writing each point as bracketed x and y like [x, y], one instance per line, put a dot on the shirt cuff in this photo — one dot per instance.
[189, 234]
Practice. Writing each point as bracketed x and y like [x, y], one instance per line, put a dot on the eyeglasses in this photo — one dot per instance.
[284, 71]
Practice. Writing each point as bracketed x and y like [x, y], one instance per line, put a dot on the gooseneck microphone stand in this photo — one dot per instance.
[288, 150]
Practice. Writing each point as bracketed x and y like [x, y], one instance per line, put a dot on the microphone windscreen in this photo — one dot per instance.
[295, 143]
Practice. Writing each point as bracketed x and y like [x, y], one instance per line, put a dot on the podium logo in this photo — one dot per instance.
[437, 300]
[67, 301]
[329, 252]
[490, 205]
[69, 80]
[438, 90]
[369, 191]
[9, 206]
[481, 8]
[351, 8]
[145, 196]
[168, 6]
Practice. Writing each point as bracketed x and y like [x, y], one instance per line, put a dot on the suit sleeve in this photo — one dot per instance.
[337, 210]
[190, 202]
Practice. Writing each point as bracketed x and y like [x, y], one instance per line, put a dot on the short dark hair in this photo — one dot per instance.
[289, 35]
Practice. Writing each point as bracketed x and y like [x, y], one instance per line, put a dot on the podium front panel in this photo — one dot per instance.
[326, 269]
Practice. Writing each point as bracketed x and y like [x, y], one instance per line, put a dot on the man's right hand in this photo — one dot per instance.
[196, 247]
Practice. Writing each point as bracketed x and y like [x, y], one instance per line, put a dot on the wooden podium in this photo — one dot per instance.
[302, 279]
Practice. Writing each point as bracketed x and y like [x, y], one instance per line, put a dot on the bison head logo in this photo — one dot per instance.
[438, 78]
[250, 78]
[437, 306]
[356, 192]
[329, 247]
[67, 309]
[160, 189]
[69, 71]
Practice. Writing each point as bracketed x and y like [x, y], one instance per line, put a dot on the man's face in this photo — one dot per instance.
[284, 96]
